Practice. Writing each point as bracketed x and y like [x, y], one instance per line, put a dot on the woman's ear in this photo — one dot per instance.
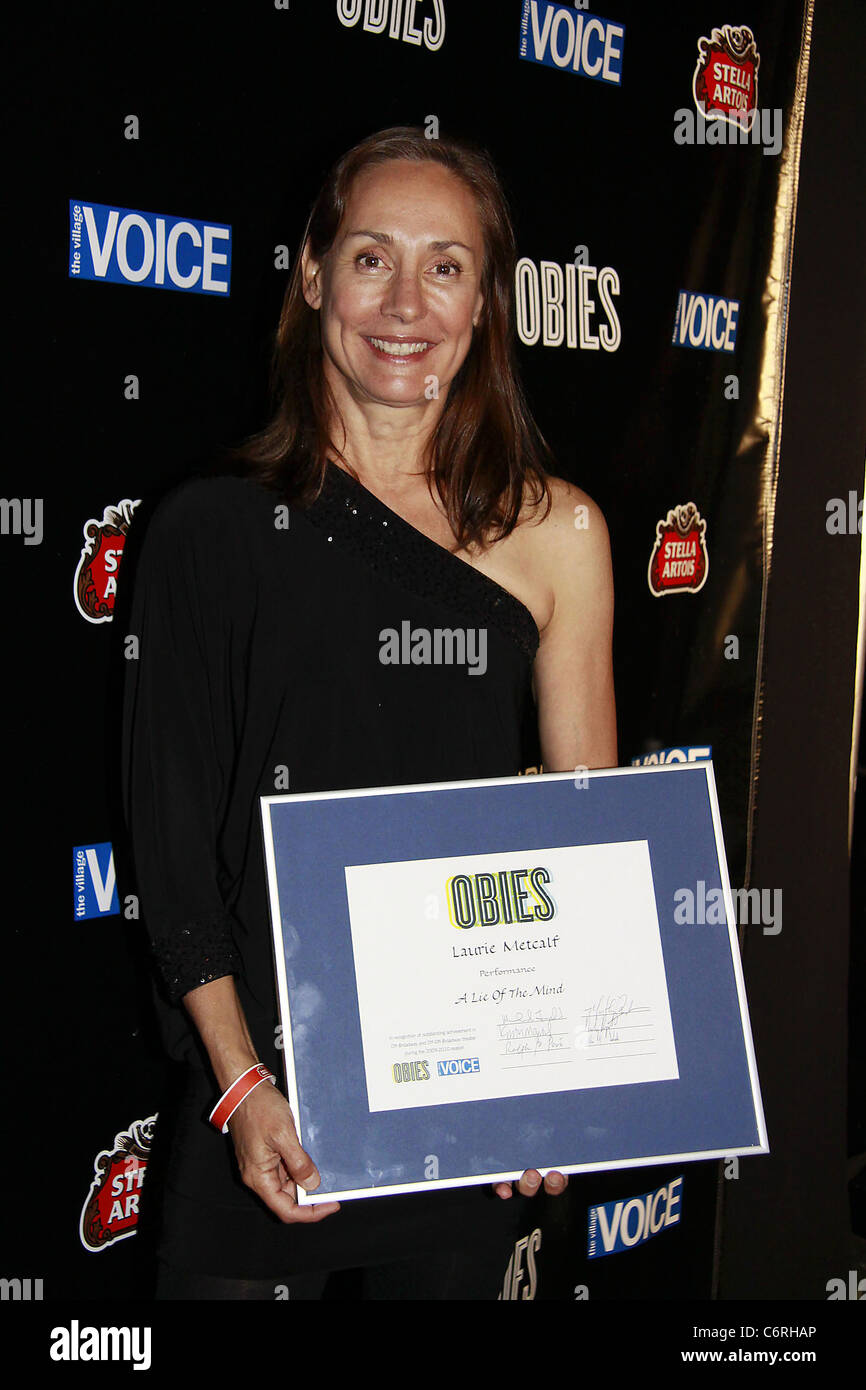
[310, 278]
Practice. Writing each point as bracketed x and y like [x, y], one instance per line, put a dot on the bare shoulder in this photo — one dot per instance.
[551, 561]
[573, 533]
[570, 506]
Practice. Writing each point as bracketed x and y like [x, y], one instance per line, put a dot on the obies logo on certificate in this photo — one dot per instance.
[542, 971]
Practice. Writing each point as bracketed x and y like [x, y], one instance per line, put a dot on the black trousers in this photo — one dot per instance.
[427, 1277]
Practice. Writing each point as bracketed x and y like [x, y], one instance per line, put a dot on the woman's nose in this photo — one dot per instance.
[404, 296]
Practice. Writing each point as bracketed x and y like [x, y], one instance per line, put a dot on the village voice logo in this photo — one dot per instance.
[94, 892]
[616, 1226]
[679, 562]
[110, 1211]
[660, 757]
[559, 36]
[706, 321]
[725, 82]
[127, 247]
[95, 583]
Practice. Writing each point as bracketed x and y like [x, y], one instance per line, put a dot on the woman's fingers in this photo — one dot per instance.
[281, 1197]
[554, 1184]
[271, 1159]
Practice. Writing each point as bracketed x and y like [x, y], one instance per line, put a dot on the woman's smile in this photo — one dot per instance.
[399, 350]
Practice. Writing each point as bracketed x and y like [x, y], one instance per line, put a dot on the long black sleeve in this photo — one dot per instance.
[179, 735]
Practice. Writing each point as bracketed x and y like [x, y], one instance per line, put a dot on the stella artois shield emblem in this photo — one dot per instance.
[679, 562]
[110, 1211]
[95, 584]
[725, 84]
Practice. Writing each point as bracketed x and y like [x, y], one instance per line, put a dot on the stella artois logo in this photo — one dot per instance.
[725, 84]
[679, 562]
[95, 584]
[110, 1211]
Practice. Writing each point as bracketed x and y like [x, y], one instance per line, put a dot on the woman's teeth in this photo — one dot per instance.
[398, 349]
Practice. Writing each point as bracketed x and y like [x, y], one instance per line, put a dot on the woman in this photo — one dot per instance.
[401, 478]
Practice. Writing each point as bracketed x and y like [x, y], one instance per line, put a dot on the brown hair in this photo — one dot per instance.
[486, 456]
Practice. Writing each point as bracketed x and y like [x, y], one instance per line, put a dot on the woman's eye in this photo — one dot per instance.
[371, 260]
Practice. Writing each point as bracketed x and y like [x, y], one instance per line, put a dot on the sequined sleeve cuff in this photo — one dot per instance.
[200, 951]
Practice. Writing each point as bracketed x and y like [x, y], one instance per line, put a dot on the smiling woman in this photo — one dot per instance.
[416, 500]
[408, 260]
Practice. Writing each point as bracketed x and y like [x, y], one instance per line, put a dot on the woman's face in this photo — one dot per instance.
[400, 290]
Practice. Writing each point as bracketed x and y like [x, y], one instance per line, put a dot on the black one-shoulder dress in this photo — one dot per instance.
[259, 667]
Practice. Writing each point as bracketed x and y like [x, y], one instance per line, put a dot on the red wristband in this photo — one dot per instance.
[238, 1091]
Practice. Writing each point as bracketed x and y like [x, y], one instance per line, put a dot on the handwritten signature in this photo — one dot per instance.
[530, 1023]
[603, 1020]
[521, 1046]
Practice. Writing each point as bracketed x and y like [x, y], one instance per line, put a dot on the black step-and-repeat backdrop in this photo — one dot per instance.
[651, 160]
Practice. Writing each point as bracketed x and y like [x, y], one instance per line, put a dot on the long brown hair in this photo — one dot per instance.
[486, 456]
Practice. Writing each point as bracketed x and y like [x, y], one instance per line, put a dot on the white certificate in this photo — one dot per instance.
[513, 974]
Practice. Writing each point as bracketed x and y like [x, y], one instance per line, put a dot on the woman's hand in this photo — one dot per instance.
[270, 1157]
[531, 1182]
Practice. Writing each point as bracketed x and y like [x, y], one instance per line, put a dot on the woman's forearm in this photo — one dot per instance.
[216, 1011]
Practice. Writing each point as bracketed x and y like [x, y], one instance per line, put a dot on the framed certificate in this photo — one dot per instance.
[476, 978]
